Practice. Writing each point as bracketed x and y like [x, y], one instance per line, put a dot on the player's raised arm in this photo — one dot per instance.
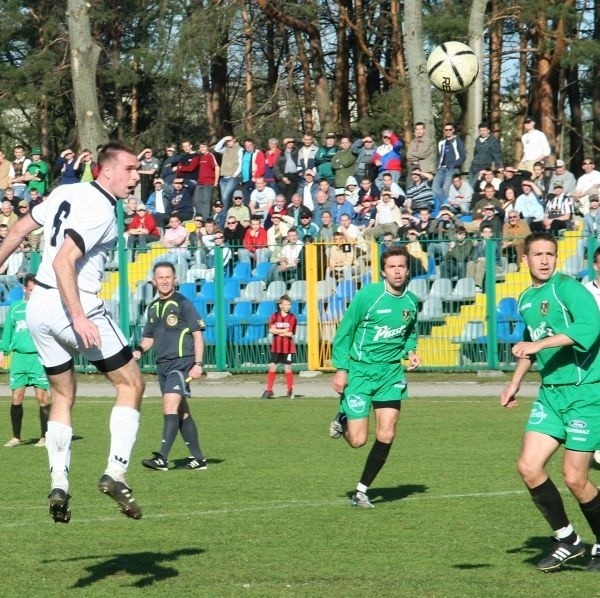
[16, 233]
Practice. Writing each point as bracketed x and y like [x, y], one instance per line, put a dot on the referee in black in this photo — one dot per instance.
[174, 330]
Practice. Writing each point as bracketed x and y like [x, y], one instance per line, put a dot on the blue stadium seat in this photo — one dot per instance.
[188, 290]
[242, 272]
[261, 271]
[264, 311]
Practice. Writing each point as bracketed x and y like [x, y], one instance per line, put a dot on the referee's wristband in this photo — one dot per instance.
[200, 363]
[139, 348]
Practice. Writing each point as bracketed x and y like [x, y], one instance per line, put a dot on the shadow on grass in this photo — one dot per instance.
[468, 566]
[537, 547]
[149, 566]
[395, 493]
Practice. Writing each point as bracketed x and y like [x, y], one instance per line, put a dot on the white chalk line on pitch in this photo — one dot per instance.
[249, 509]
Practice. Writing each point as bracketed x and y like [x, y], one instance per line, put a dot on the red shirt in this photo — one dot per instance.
[207, 166]
[147, 222]
[287, 322]
[255, 238]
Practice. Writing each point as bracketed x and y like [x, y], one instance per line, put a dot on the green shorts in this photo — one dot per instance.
[368, 383]
[570, 414]
[26, 369]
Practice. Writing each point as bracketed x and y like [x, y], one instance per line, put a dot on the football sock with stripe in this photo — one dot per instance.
[189, 431]
[58, 445]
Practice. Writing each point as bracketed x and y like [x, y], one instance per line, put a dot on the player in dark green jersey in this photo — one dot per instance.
[563, 336]
[377, 331]
[25, 367]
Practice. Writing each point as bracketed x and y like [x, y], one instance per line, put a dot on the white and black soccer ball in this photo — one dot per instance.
[452, 67]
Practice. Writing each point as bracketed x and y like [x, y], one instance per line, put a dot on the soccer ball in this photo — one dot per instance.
[452, 67]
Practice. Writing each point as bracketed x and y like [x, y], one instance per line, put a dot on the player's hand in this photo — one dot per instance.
[508, 397]
[525, 349]
[414, 361]
[88, 332]
[340, 380]
[137, 355]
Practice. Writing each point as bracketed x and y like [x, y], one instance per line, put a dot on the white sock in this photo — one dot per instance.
[124, 424]
[565, 532]
[58, 445]
[361, 488]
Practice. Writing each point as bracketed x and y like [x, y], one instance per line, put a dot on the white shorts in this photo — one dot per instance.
[55, 338]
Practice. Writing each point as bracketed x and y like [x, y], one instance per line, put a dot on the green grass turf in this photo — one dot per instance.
[271, 517]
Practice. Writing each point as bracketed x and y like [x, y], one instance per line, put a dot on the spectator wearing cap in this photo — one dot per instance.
[308, 189]
[231, 165]
[388, 217]
[365, 211]
[343, 163]
[341, 207]
[491, 217]
[558, 212]
[323, 158]
[261, 199]
[419, 194]
[529, 206]
[287, 169]
[591, 227]
[238, 210]
[388, 156]
[37, 173]
[514, 232]
[141, 231]
[439, 244]
[307, 227]
[23, 208]
[277, 234]
[195, 238]
[218, 214]
[564, 176]
[66, 167]
[587, 184]
[157, 203]
[168, 167]
[180, 200]
[460, 195]
[535, 145]
[306, 154]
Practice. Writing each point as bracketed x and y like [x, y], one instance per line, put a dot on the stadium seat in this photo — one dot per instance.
[275, 290]
[207, 291]
[464, 291]
[419, 287]
[15, 294]
[264, 311]
[441, 288]
[575, 266]
[200, 305]
[325, 288]
[345, 290]
[431, 271]
[253, 291]
[231, 292]
[261, 271]
[242, 272]
[297, 290]
[334, 310]
[188, 290]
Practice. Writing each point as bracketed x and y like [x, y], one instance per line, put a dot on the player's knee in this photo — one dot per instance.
[575, 481]
[356, 440]
[529, 472]
[386, 436]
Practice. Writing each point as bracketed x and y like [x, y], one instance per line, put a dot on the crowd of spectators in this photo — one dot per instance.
[266, 205]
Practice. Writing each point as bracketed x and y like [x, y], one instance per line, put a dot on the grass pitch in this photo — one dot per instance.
[271, 515]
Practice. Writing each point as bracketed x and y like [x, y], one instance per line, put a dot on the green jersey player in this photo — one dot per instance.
[563, 336]
[377, 331]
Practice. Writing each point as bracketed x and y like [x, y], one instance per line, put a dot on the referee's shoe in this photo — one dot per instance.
[158, 462]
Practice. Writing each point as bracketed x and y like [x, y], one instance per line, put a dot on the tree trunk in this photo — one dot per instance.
[306, 112]
[596, 87]
[249, 95]
[274, 11]
[420, 87]
[475, 92]
[360, 64]
[340, 110]
[523, 98]
[84, 62]
[495, 52]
